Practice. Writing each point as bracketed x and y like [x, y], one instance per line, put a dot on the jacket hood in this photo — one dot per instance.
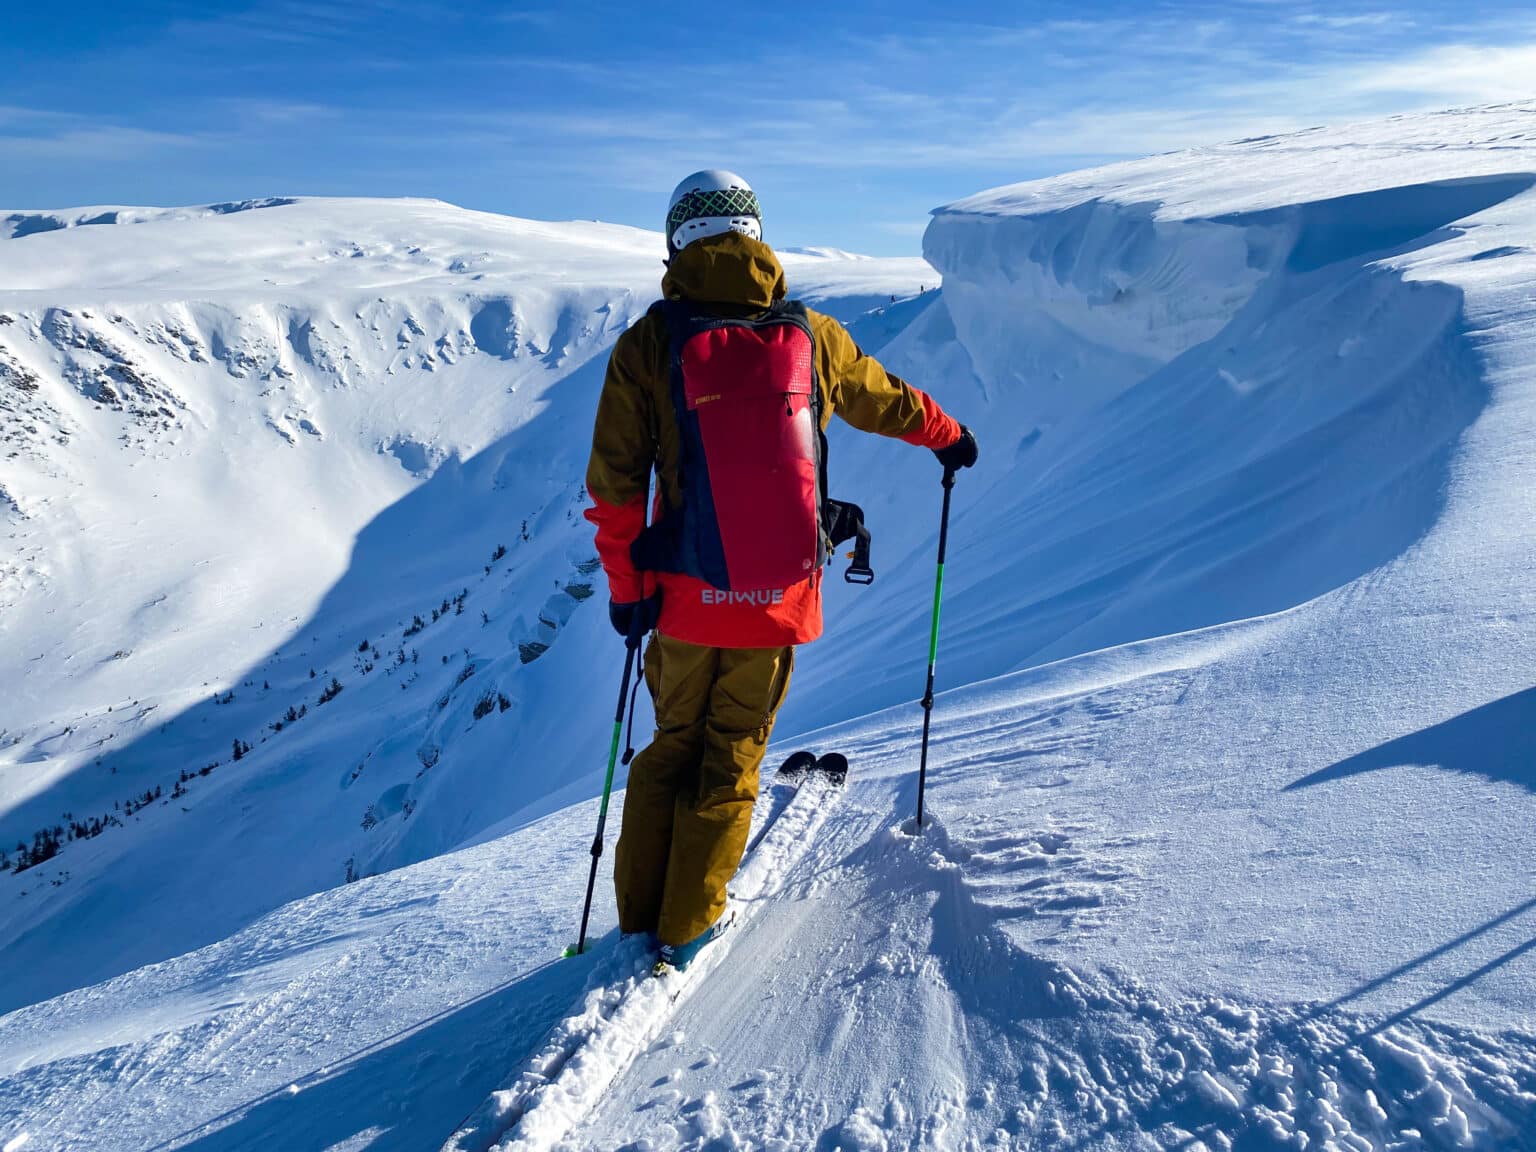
[727, 269]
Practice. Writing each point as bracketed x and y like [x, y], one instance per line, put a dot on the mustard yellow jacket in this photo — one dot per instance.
[636, 434]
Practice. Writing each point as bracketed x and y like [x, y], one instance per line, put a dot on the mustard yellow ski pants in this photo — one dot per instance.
[688, 808]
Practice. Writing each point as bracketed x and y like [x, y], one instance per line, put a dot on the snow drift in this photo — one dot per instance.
[1213, 386]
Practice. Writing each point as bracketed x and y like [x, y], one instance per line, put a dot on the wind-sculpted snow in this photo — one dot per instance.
[16, 225]
[1190, 415]
[989, 1046]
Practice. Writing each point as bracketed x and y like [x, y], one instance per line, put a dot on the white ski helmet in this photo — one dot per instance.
[709, 203]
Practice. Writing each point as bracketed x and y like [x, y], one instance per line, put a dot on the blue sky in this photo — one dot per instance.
[852, 119]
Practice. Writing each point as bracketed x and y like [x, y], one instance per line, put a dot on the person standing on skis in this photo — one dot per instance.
[724, 390]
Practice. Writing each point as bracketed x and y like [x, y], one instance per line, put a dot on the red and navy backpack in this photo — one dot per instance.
[755, 515]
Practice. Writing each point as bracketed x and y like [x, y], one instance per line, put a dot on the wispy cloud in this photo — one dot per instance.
[101, 143]
[543, 110]
[13, 116]
[984, 124]
[269, 113]
[349, 24]
[1358, 20]
[1456, 73]
[537, 17]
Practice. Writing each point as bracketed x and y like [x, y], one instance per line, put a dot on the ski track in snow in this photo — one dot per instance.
[883, 999]
[626, 1007]
[987, 1044]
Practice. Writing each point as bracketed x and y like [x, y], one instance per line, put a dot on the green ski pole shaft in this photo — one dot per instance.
[933, 642]
[631, 646]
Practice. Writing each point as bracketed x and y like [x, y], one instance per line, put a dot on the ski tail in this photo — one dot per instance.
[796, 766]
[799, 764]
[834, 765]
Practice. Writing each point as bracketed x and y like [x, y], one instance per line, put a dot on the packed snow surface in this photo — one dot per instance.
[1232, 776]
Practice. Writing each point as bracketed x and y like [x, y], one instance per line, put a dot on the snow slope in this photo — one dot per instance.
[1232, 783]
[884, 1000]
[255, 453]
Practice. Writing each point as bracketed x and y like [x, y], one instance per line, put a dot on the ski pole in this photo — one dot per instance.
[631, 646]
[933, 641]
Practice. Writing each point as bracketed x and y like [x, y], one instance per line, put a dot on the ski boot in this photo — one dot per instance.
[677, 957]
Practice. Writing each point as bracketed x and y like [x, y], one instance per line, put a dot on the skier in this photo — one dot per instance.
[724, 388]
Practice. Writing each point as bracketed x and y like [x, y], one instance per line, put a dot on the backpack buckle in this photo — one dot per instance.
[847, 523]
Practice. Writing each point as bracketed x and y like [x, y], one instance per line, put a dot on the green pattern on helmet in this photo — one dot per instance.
[716, 202]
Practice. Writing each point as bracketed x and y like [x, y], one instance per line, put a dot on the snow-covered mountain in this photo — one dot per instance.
[288, 461]
[1232, 787]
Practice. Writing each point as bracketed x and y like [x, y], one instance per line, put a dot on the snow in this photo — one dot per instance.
[327, 420]
[1231, 782]
[625, 1008]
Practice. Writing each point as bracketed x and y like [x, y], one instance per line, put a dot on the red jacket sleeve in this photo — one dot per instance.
[617, 527]
[619, 471]
[939, 429]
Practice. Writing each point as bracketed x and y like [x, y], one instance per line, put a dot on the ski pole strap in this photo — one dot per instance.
[634, 694]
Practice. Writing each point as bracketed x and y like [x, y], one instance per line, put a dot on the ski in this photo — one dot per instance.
[800, 764]
[625, 1006]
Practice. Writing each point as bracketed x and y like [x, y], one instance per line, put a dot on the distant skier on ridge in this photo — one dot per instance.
[724, 389]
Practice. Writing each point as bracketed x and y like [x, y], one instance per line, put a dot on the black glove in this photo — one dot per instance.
[641, 615]
[960, 454]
